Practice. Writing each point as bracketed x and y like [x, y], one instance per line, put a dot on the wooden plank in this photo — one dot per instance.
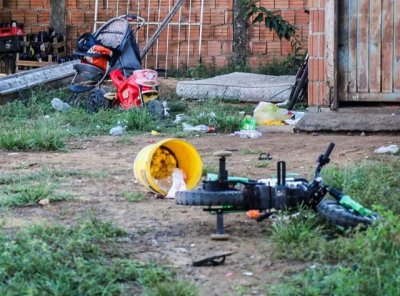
[374, 97]
[353, 39]
[362, 50]
[396, 62]
[343, 48]
[387, 45]
[375, 46]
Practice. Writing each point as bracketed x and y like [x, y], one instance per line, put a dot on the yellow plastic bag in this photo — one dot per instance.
[269, 114]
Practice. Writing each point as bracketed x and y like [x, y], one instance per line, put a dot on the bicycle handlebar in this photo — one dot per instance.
[329, 150]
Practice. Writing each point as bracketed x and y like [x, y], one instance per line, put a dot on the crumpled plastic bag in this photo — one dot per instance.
[178, 183]
[265, 113]
[393, 149]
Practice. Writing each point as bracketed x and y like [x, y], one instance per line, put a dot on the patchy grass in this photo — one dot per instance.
[210, 169]
[354, 262]
[373, 182]
[79, 260]
[134, 196]
[139, 119]
[27, 189]
[262, 164]
[250, 151]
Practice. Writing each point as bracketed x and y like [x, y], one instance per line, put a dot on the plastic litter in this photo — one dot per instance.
[179, 118]
[165, 108]
[198, 128]
[178, 183]
[393, 149]
[249, 134]
[118, 130]
[248, 123]
[265, 112]
[59, 105]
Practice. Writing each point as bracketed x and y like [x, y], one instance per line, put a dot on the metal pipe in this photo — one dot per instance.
[96, 9]
[201, 29]
[179, 38]
[188, 36]
[158, 20]
[167, 43]
[147, 29]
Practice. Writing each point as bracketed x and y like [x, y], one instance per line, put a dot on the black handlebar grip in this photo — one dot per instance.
[329, 150]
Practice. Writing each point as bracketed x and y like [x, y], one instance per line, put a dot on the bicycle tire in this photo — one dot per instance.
[334, 212]
[201, 197]
[97, 101]
[301, 84]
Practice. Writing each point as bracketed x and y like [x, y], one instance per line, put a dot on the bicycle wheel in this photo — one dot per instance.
[300, 88]
[336, 213]
[96, 100]
[201, 197]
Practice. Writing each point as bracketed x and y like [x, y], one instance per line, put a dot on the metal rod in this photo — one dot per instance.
[201, 29]
[188, 36]
[167, 43]
[164, 23]
[158, 21]
[179, 38]
[117, 9]
[148, 27]
[96, 9]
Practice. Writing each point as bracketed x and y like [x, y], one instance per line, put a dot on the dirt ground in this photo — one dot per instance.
[167, 233]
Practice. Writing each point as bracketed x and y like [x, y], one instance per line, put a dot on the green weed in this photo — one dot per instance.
[371, 182]
[28, 195]
[139, 119]
[355, 262]
[56, 260]
[34, 136]
[250, 151]
[210, 169]
[262, 164]
[133, 197]
[297, 237]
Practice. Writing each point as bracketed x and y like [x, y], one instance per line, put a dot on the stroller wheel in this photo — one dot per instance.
[156, 108]
[97, 101]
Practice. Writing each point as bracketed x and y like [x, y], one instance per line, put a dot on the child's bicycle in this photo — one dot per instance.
[226, 193]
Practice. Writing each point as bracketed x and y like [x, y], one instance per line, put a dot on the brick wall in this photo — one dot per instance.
[318, 91]
[217, 29]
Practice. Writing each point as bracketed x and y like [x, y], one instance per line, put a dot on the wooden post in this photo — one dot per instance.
[57, 16]
[240, 34]
[331, 50]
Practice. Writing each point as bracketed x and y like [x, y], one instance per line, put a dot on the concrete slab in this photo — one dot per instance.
[239, 86]
[347, 120]
[12, 85]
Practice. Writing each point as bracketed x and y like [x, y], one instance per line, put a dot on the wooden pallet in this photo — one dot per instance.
[59, 50]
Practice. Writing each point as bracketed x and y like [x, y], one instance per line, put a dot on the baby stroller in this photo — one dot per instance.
[112, 51]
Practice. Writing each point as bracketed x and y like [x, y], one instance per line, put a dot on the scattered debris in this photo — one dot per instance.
[178, 183]
[44, 202]
[393, 149]
[118, 130]
[247, 134]
[212, 261]
[264, 156]
[59, 105]
[267, 113]
[202, 128]
[179, 118]
[248, 273]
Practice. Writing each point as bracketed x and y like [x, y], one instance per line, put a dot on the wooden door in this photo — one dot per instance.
[369, 50]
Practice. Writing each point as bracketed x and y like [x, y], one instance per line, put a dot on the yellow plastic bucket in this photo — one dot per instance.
[187, 159]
